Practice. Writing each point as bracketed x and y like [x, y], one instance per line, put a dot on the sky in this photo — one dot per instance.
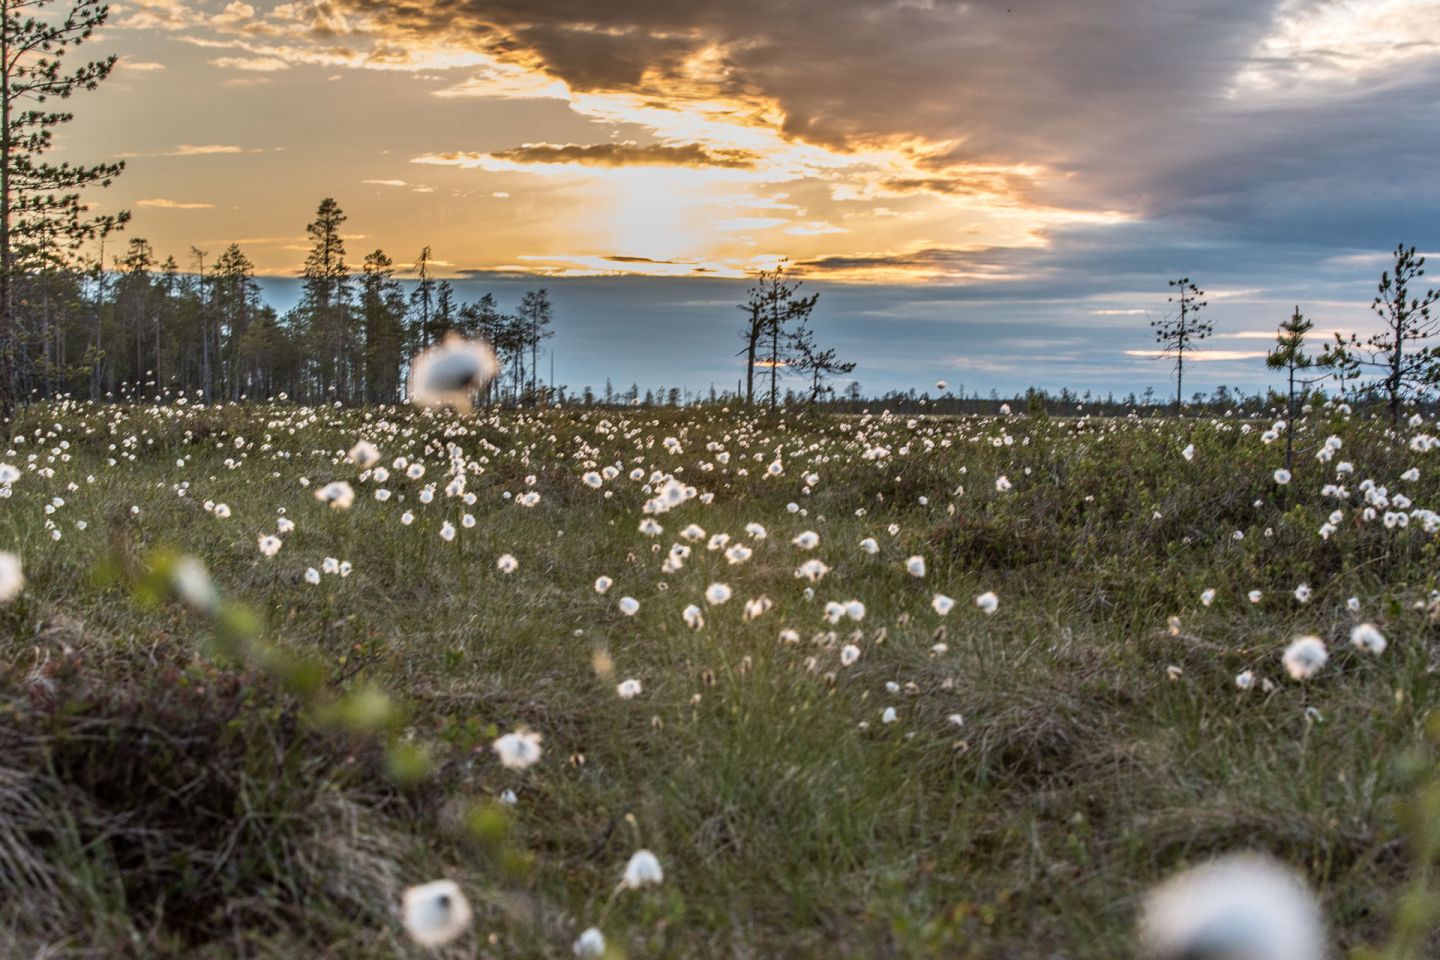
[990, 193]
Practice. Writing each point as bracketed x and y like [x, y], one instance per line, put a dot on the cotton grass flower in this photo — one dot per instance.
[1282, 476]
[364, 454]
[717, 593]
[1303, 593]
[506, 563]
[1243, 907]
[849, 654]
[1367, 638]
[590, 945]
[603, 583]
[942, 604]
[449, 374]
[12, 576]
[518, 750]
[338, 494]
[435, 913]
[269, 545]
[868, 545]
[629, 606]
[988, 602]
[628, 689]
[1304, 657]
[643, 870]
[915, 566]
[808, 540]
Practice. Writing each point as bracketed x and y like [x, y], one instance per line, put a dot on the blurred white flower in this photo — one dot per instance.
[518, 750]
[590, 945]
[1244, 907]
[449, 374]
[1367, 638]
[435, 913]
[988, 602]
[643, 870]
[12, 576]
[339, 494]
[1304, 657]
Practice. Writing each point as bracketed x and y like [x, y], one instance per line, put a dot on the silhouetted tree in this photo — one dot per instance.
[1409, 370]
[1177, 332]
[1289, 355]
[42, 220]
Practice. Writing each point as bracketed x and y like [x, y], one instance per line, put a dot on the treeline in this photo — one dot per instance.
[145, 326]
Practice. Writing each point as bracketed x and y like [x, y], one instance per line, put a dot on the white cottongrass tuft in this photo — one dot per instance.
[1282, 476]
[590, 945]
[435, 913]
[506, 563]
[1367, 638]
[717, 593]
[603, 583]
[1304, 657]
[339, 494]
[915, 566]
[12, 576]
[988, 602]
[518, 750]
[643, 870]
[269, 544]
[942, 604]
[629, 606]
[1240, 906]
[449, 374]
[808, 540]
[629, 689]
[364, 454]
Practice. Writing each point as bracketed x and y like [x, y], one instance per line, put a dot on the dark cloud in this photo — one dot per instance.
[628, 154]
[1134, 105]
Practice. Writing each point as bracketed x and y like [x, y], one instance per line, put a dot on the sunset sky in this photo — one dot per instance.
[990, 192]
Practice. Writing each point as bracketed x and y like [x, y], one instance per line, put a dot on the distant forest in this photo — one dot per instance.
[146, 326]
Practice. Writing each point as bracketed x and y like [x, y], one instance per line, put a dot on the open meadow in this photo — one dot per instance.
[866, 686]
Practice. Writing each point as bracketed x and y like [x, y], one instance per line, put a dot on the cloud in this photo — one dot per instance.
[1200, 355]
[202, 150]
[139, 66]
[164, 204]
[1145, 108]
[256, 64]
[626, 155]
[386, 183]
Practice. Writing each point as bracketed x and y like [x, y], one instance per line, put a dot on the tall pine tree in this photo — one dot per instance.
[42, 220]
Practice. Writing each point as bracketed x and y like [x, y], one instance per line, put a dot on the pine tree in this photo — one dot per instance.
[42, 219]
[1289, 355]
[535, 316]
[1177, 332]
[422, 303]
[325, 306]
[382, 314]
[810, 361]
[1408, 369]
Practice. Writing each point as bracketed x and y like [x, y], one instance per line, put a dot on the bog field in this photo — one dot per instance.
[882, 685]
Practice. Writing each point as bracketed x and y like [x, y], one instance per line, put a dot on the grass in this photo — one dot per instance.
[161, 798]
